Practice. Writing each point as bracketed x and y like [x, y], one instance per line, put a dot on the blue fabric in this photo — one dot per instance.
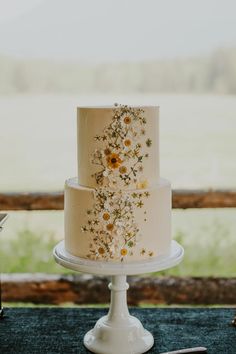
[61, 330]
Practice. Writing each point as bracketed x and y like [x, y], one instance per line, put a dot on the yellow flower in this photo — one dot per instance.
[140, 204]
[143, 251]
[106, 216]
[127, 142]
[123, 169]
[127, 120]
[101, 250]
[107, 151]
[110, 227]
[142, 184]
[148, 142]
[123, 251]
[140, 168]
[114, 160]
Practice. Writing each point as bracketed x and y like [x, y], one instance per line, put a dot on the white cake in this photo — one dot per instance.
[118, 209]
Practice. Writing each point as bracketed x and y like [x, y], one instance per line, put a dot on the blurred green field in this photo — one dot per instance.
[208, 237]
[38, 139]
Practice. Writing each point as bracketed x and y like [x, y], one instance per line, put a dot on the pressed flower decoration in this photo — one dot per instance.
[120, 155]
[111, 222]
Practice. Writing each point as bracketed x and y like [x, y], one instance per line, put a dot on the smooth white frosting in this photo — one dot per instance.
[154, 235]
[92, 121]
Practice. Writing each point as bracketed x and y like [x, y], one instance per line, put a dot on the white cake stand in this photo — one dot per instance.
[118, 332]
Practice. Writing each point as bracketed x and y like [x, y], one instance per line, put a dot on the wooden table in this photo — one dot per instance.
[61, 330]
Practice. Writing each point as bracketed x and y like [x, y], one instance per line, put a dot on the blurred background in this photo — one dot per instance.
[56, 55]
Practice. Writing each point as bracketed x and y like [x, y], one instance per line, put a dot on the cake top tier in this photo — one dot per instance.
[118, 147]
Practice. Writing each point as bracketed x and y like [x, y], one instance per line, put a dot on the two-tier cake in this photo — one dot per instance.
[118, 209]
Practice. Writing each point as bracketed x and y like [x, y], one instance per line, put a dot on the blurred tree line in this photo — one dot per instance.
[215, 73]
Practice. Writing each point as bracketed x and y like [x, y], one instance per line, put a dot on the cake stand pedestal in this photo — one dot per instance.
[118, 332]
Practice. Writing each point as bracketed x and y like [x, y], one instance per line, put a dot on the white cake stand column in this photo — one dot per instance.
[118, 332]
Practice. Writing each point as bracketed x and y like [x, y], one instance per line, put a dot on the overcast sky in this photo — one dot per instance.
[114, 30]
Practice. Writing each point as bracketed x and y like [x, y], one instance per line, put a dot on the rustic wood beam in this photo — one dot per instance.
[32, 201]
[184, 199]
[88, 289]
[181, 199]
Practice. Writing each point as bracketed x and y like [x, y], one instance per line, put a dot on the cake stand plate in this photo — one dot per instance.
[118, 332]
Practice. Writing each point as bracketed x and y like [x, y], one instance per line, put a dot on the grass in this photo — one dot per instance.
[213, 255]
[207, 236]
[29, 252]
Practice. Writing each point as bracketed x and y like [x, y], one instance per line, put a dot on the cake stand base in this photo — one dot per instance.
[118, 332]
[106, 339]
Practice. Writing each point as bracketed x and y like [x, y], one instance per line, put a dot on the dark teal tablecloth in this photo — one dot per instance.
[61, 330]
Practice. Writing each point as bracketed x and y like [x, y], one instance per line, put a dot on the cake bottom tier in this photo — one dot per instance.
[117, 225]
